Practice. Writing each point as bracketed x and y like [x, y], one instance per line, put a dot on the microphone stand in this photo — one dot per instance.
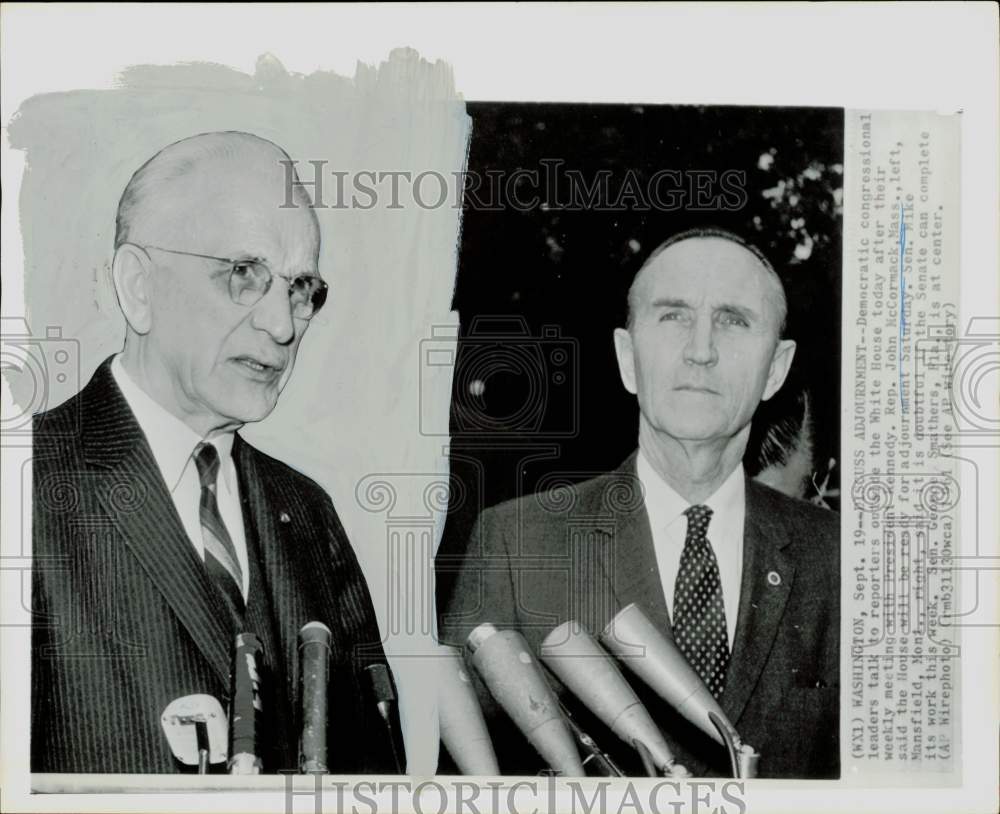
[601, 760]
[742, 757]
[201, 736]
[201, 733]
[385, 703]
[205, 714]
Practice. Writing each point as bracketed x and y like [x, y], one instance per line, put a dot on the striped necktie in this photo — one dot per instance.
[220, 553]
[699, 619]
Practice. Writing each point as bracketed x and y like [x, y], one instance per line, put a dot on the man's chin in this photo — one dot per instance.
[695, 428]
[247, 405]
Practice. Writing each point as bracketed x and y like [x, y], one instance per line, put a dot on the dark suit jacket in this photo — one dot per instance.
[126, 619]
[585, 551]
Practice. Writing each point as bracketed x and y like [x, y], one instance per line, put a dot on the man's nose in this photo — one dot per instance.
[700, 347]
[273, 314]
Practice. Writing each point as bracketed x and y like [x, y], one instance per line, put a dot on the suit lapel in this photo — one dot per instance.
[274, 605]
[632, 574]
[765, 586]
[768, 575]
[766, 583]
[132, 492]
[291, 548]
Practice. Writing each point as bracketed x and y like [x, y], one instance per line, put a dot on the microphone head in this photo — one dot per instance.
[463, 728]
[180, 719]
[654, 658]
[314, 633]
[250, 641]
[591, 675]
[516, 680]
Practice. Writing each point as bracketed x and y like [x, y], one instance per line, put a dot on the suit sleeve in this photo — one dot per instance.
[484, 589]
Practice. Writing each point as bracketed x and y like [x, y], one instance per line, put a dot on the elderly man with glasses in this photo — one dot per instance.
[159, 534]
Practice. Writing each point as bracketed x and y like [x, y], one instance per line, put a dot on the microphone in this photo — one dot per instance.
[245, 707]
[195, 726]
[514, 678]
[589, 672]
[663, 667]
[463, 728]
[314, 679]
[385, 702]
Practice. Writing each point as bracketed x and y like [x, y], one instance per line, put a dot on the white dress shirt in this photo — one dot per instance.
[173, 442]
[668, 525]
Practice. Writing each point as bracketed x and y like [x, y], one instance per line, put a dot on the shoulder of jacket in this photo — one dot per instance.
[284, 476]
[796, 509]
[565, 498]
[815, 531]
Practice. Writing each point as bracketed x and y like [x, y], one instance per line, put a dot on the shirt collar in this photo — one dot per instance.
[730, 495]
[665, 505]
[170, 439]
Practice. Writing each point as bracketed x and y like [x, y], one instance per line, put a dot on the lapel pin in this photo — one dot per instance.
[773, 578]
[284, 518]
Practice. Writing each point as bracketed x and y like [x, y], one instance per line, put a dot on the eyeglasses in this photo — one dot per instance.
[250, 280]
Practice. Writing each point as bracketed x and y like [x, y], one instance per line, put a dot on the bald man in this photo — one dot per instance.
[744, 579]
[159, 534]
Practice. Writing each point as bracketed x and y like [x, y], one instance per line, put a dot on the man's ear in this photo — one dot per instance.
[781, 363]
[626, 358]
[131, 270]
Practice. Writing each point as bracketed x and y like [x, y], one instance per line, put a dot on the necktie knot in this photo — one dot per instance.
[698, 517]
[206, 458]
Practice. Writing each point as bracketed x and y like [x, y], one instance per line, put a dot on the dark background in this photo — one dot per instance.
[537, 397]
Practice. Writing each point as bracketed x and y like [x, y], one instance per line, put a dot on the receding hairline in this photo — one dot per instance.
[781, 300]
[179, 162]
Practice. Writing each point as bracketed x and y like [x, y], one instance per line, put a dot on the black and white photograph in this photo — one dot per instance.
[626, 348]
[554, 408]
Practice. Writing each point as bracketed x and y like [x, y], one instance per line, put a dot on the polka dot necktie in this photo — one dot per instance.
[699, 619]
[221, 561]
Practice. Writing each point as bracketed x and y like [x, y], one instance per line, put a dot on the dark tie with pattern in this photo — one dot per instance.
[699, 619]
[220, 553]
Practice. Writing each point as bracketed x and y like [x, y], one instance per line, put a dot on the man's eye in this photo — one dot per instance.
[734, 320]
[250, 274]
[671, 316]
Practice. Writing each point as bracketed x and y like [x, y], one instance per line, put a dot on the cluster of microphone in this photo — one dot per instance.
[201, 734]
[589, 669]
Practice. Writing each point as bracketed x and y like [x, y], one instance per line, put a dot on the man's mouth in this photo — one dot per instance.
[260, 367]
[691, 388]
